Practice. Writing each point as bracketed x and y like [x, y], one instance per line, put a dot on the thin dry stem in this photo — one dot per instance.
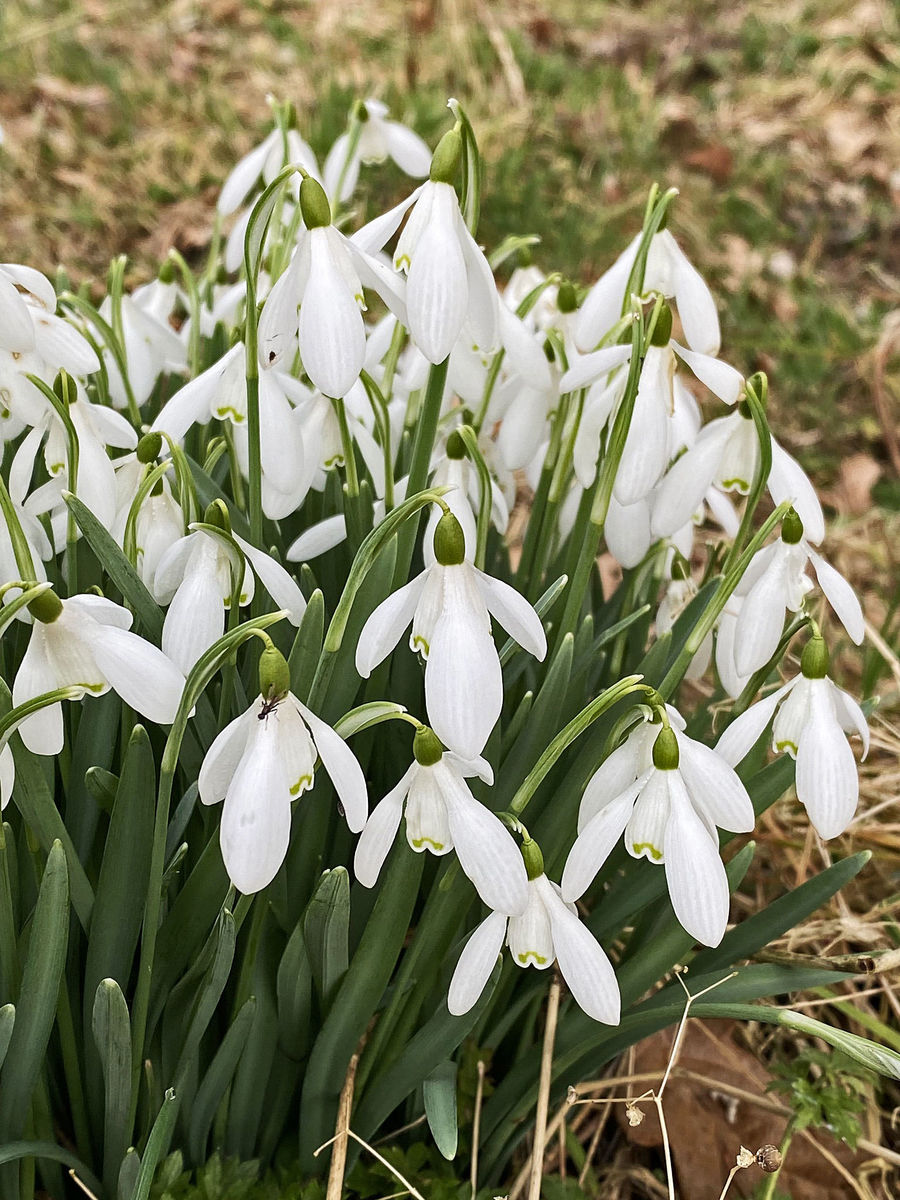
[476, 1129]
[342, 1125]
[543, 1100]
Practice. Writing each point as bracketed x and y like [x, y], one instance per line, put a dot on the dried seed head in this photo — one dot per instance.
[769, 1158]
[634, 1114]
[746, 1158]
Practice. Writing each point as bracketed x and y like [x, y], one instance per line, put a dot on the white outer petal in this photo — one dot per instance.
[696, 306]
[603, 304]
[256, 818]
[827, 780]
[476, 963]
[222, 758]
[714, 786]
[318, 539]
[723, 380]
[582, 961]
[788, 481]
[514, 613]
[139, 672]
[331, 331]
[385, 625]
[695, 874]
[194, 620]
[745, 731]
[437, 292]
[341, 764]
[841, 596]
[588, 368]
[380, 830]
[280, 585]
[596, 841]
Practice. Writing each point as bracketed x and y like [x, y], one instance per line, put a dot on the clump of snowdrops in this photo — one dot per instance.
[305, 755]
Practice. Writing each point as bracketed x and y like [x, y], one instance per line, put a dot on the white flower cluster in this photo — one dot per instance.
[493, 392]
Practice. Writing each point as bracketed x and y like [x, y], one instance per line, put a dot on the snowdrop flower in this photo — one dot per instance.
[159, 523]
[776, 580]
[261, 762]
[450, 284]
[443, 815]
[725, 455]
[85, 642]
[151, 347]
[811, 715]
[648, 447]
[666, 793]
[220, 393]
[547, 931]
[454, 470]
[97, 427]
[264, 162]
[28, 322]
[325, 280]
[379, 139]
[194, 577]
[450, 604]
[669, 273]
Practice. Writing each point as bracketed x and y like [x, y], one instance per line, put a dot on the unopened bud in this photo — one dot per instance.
[791, 528]
[456, 447]
[148, 448]
[314, 204]
[217, 514]
[274, 674]
[449, 541]
[427, 747]
[534, 860]
[360, 112]
[167, 272]
[46, 608]
[662, 330]
[446, 158]
[65, 388]
[566, 300]
[814, 660]
[665, 750]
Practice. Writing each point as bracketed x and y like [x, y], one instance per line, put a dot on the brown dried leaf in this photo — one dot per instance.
[714, 160]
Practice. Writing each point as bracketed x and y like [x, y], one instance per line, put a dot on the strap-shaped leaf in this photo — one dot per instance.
[326, 928]
[307, 646]
[117, 567]
[157, 1144]
[36, 1008]
[439, 1095]
[7, 1021]
[217, 1078]
[294, 992]
[111, 1027]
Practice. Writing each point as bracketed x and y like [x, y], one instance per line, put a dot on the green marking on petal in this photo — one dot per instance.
[423, 843]
[303, 784]
[640, 847]
[226, 411]
[539, 959]
[421, 645]
[788, 745]
[740, 484]
[402, 263]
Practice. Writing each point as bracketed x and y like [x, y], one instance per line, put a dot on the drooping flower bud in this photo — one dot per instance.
[217, 514]
[274, 674]
[449, 541]
[791, 528]
[427, 747]
[566, 298]
[46, 608]
[446, 158]
[314, 204]
[456, 447]
[534, 859]
[665, 750]
[814, 660]
[148, 448]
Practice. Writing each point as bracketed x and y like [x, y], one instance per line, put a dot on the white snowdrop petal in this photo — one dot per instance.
[318, 539]
[191, 404]
[841, 596]
[627, 530]
[341, 764]
[760, 621]
[851, 717]
[514, 613]
[595, 842]
[407, 149]
[603, 304]
[590, 367]
[100, 609]
[377, 275]
[745, 730]
[437, 293]
[827, 780]
[476, 963]
[278, 321]
[63, 346]
[378, 232]
[280, 585]
[16, 327]
[463, 684]
[524, 352]
[788, 481]
[485, 848]
[243, 175]
[194, 620]
[256, 819]
[695, 874]
[483, 305]
[714, 786]
[380, 830]
[331, 332]
[583, 963]
[696, 306]
[7, 775]
[617, 772]
[384, 627]
[222, 758]
[42, 732]
[140, 673]
[688, 479]
[646, 452]
[723, 380]
[170, 570]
